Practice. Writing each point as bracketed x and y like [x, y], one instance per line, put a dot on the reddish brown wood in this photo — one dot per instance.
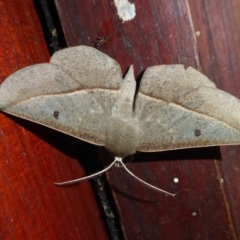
[164, 32]
[32, 156]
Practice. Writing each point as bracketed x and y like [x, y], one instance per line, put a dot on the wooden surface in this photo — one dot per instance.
[205, 35]
[32, 156]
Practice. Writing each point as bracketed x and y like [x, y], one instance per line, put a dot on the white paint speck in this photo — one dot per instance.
[126, 10]
[221, 180]
[194, 214]
[197, 33]
[176, 180]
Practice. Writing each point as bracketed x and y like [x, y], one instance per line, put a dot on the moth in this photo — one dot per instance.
[81, 92]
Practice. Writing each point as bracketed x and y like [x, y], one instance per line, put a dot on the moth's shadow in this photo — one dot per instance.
[181, 154]
[203, 153]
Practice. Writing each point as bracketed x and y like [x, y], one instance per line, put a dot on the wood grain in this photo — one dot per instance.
[32, 157]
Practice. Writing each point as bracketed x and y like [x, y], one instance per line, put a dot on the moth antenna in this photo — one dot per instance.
[143, 182]
[86, 178]
[118, 161]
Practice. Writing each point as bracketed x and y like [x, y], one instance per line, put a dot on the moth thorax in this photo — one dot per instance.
[122, 137]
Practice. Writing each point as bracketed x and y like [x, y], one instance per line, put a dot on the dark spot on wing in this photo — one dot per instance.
[197, 132]
[56, 114]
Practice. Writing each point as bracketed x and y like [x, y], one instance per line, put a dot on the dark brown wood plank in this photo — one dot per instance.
[219, 51]
[32, 157]
[163, 32]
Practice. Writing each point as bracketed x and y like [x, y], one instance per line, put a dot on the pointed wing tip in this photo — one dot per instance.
[131, 69]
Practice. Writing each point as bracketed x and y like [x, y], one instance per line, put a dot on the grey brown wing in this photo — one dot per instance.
[97, 70]
[178, 108]
[49, 95]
